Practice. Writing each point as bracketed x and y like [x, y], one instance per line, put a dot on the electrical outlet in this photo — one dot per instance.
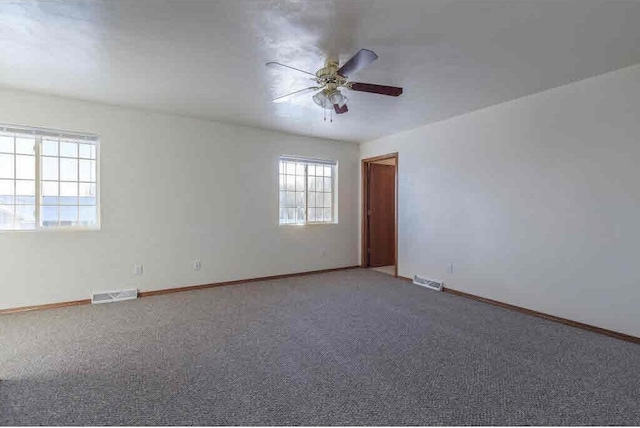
[196, 265]
[137, 270]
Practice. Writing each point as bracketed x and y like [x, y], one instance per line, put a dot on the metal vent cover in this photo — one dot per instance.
[114, 296]
[428, 283]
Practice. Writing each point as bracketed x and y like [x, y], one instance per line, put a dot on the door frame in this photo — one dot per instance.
[365, 196]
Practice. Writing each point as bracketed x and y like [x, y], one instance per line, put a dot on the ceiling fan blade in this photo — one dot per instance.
[393, 91]
[273, 64]
[340, 110]
[357, 62]
[295, 94]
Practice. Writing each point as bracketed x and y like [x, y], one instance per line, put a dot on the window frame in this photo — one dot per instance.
[334, 190]
[39, 134]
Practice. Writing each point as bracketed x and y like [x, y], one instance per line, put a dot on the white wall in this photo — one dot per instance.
[535, 201]
[173, 189]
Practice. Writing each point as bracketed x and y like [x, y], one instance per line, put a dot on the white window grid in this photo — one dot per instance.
[35, 200]
[307, 190]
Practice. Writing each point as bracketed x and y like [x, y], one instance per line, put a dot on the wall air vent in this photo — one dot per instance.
[429, 283]
[114, 296]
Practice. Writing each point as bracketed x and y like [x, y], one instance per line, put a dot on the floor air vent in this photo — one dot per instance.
[424, 282]
[114, 296]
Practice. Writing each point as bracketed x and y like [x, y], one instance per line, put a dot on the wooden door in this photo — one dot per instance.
[382, 223]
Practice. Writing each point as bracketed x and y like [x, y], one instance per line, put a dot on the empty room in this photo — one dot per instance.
[319, 212]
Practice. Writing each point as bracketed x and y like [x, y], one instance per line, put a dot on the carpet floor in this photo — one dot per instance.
[352, 347]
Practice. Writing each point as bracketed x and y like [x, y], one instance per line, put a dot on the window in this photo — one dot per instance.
[47, 179]
[307, 191]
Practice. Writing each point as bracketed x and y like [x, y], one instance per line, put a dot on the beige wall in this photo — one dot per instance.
[535, 202]
[173, 190]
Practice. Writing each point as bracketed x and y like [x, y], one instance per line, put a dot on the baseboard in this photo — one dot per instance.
[576, 324]
[45, 306]
[173, 290]
[238, 281]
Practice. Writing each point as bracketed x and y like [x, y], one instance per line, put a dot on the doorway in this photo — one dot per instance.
[380, 213]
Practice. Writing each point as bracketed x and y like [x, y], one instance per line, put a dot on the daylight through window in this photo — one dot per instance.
[47, 179]
[307, 191]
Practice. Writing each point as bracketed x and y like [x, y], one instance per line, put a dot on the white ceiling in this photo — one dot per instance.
[206, 58]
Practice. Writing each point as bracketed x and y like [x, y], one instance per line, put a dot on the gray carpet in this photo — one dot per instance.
[344, 348]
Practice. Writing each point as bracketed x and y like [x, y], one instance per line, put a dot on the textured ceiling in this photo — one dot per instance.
[206, 58]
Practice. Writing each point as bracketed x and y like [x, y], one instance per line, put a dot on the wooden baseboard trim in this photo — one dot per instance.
[576, 324]
[46, 306]
[171, 290]
[239, 281]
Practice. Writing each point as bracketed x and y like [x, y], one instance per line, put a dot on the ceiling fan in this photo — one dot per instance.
[332, 78]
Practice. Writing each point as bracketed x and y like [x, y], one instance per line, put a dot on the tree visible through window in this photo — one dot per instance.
[307, 191]
[47, 179]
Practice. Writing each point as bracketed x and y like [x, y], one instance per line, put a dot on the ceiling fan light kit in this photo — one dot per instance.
[328, 98]
[332, 78]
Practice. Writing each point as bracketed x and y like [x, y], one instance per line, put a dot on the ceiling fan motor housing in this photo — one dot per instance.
[329, 79]
[328, 76]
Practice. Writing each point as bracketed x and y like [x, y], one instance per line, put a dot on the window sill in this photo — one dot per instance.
[54, 230]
